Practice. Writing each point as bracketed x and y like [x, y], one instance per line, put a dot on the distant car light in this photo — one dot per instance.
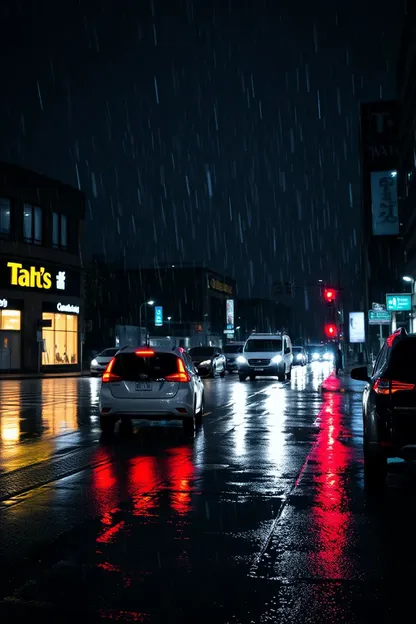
[205, 363]
[276, 359]
[94, 362]
[315, 356]
[241, 360]
[299, 356]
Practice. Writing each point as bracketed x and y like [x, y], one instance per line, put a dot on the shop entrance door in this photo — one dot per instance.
[10, 352]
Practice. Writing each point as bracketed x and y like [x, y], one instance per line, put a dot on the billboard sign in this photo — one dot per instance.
[379, 317]
[357, 327]
[384, 203]
[230, 314]
[158, 316]
[398, 302]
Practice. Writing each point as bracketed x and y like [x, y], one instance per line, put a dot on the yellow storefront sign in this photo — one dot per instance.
[220, 286]
[30, 277]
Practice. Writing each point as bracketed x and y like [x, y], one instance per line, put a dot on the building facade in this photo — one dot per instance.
[193, 301]
[41, 281]
[406, 93]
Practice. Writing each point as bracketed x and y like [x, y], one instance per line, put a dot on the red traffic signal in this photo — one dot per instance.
[331, 330]
[329, 295]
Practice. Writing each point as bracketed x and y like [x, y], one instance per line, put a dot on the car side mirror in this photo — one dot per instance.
[360, 374]
[196, 371]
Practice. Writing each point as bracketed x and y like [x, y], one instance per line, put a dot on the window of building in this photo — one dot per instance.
[60, 340]
[5, 216]
[10, 320]
[59, 231]
[32, 224]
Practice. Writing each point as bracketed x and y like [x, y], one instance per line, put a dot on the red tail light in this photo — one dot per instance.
[181, 375]
[144, 352]
[387, 386]
[108, 376]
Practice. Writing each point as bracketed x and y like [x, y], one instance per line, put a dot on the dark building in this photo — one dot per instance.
[406, 93]
[194, 300]
[382, 248]
[41, 284]
[261, 315]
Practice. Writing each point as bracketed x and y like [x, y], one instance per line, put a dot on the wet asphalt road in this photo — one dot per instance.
[263, 517]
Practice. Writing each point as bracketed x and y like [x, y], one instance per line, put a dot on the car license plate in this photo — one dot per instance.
[259, 370]
[143, 385]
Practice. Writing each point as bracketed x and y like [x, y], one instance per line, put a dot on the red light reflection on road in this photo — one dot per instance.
[181, 470]
[330, 515]
[142, 479]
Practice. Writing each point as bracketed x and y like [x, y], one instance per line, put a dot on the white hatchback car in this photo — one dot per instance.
[151, 384]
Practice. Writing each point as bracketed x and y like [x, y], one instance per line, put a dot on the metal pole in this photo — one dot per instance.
[140, 315]
[393, 322]
[381, 336]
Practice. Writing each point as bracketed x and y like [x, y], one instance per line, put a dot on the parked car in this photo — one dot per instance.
[99, 362]
[231, 352]
[266, 355]
[389, 405]
[209, 361]
[151, 384]
[300, 357]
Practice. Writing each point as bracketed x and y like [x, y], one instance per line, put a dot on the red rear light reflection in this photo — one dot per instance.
[144, 352]
[108, 376]
[181, 376]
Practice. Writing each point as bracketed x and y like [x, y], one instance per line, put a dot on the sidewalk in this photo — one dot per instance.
[16, 376]
[343, 383]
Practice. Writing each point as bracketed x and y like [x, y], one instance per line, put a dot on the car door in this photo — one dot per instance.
[196, 381]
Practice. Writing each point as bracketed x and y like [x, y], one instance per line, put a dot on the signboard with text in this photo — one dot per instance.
[230, 314]
[357, 327]
[158, 316]
[384, 203]
[28, 275]
[379, 317]
[398, 302]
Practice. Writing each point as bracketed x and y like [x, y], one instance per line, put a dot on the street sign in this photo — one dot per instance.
[379, 317]
[379, 306]
[158, 316]
[398, 302]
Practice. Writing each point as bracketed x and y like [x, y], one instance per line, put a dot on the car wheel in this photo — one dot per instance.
[189, 426]
[242, 377]
[281, 376]
[289, 375]
[200, 414]
[222, 373]
[107, 424]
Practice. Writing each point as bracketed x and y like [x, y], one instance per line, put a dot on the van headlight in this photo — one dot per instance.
[277, 359]
[94, 362]
[241, 360]
[299, 357]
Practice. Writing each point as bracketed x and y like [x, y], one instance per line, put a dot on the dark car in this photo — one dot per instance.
[209, 361]
[300, 357]
[389, 405]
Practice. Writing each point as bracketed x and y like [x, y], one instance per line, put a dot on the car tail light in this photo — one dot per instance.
[108, 376]
[387, 386]
[144, 352]
[181, 375]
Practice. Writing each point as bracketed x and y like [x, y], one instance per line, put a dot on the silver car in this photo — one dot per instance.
[100, 362]
[151, 384]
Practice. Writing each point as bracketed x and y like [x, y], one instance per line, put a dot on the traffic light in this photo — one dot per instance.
[329, 296]
[331, 330]
[288, 288]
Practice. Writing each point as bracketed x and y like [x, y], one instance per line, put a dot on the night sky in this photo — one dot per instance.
[224, 131]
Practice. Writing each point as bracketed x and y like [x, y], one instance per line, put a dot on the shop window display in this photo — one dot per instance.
[60, 340]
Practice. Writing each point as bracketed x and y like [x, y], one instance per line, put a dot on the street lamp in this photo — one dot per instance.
[169, 319]
[149, 302]
[406, 278]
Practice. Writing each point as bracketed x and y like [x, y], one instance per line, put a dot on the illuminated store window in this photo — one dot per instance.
[10, 320]
[60, 340]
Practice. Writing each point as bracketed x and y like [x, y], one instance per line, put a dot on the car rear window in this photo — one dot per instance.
[259, 345]
[201, 351]
[132, 367]
[402, 364]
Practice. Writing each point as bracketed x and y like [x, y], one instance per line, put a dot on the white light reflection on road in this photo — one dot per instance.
[320, 371]
[239, 398]
[299, 377]
[275, 416]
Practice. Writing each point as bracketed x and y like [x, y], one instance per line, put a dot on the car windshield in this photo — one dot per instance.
[402, 365]
[197, 351]
[269, 345]
[233, 349]
[297, 349]
[108, 353]
[132, 367]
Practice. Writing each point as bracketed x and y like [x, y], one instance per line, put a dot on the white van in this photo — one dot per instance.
[266, 355]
